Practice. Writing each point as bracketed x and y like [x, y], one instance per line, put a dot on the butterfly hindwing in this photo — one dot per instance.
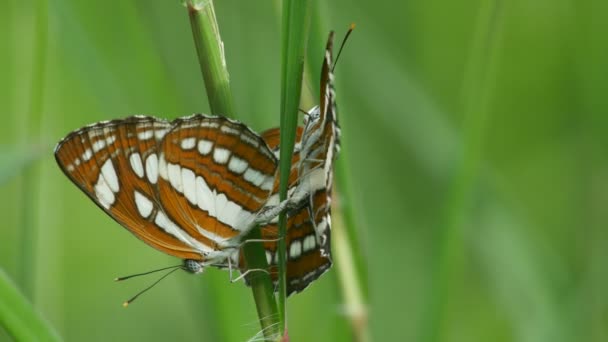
[305, 262]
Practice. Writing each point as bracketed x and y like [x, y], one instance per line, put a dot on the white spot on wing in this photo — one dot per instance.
[232, 214]
[204, 146]
[269, 257]
[162, 167]
[229, 130]
[218, 206]
[309, 243]
[211, 124]
[175, 177]
[103, 193]
[94, 133]
[108, 172]
[136, 165]
[98, 145]
[268, 184]
[145, 135]
[249, 140]
[170, 227]
[321, 227]
[189, 185]
[295, 250]
[160, 133]
[86, 156]
[188, 143]
[189, 124]
[315, 180]
[257, 178]
[237, 165]
[152, 168]
[205, 197]
[143, 204]
[221, 155]
[110, 140]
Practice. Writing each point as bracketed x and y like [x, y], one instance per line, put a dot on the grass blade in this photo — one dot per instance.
[295, 26]
[476, 95]
[18, 316]
[31, 178]
[210, 50]
[13, 160]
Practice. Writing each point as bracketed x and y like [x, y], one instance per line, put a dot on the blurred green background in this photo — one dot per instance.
[476, 136]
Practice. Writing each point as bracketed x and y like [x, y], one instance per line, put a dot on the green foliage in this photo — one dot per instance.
[295, 27]
[17, 315]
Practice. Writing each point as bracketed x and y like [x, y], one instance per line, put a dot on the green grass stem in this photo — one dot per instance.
[31, 178]
[14, 160]
[18, 317]
[295, 27]
[210, 50]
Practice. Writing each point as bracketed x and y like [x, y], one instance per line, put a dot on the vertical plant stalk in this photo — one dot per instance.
[210, 50]
[476, 94]
[295, 26]
[349, 277]
[351, 270]
[31, 178]
[18, 316]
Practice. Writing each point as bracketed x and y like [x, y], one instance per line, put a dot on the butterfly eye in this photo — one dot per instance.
[193, 266]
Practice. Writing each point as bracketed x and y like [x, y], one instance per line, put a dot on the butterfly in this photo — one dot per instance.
[195, 186]
[310, 186]
[191, 188]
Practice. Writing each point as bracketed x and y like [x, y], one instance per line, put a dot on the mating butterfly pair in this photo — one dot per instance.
[195, 186]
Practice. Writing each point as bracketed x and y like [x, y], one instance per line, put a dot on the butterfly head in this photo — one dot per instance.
[193, 266]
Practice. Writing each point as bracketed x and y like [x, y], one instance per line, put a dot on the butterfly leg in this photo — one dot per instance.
[270, 212]
[244, 274]
[258, 240]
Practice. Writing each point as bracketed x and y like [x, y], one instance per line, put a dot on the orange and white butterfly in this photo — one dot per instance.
[310, 184]
[194, 187]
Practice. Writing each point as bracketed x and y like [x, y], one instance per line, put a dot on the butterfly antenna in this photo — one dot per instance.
[175, 268]
[350, 30]
[145, 273]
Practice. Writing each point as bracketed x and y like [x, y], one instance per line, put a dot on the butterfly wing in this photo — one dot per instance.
[215, 175]
[305, 261]
[320, 146]
[116, 164]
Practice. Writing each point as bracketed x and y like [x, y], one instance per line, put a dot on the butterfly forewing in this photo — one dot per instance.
[114, 163]
[215, 175]
[320, 145]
